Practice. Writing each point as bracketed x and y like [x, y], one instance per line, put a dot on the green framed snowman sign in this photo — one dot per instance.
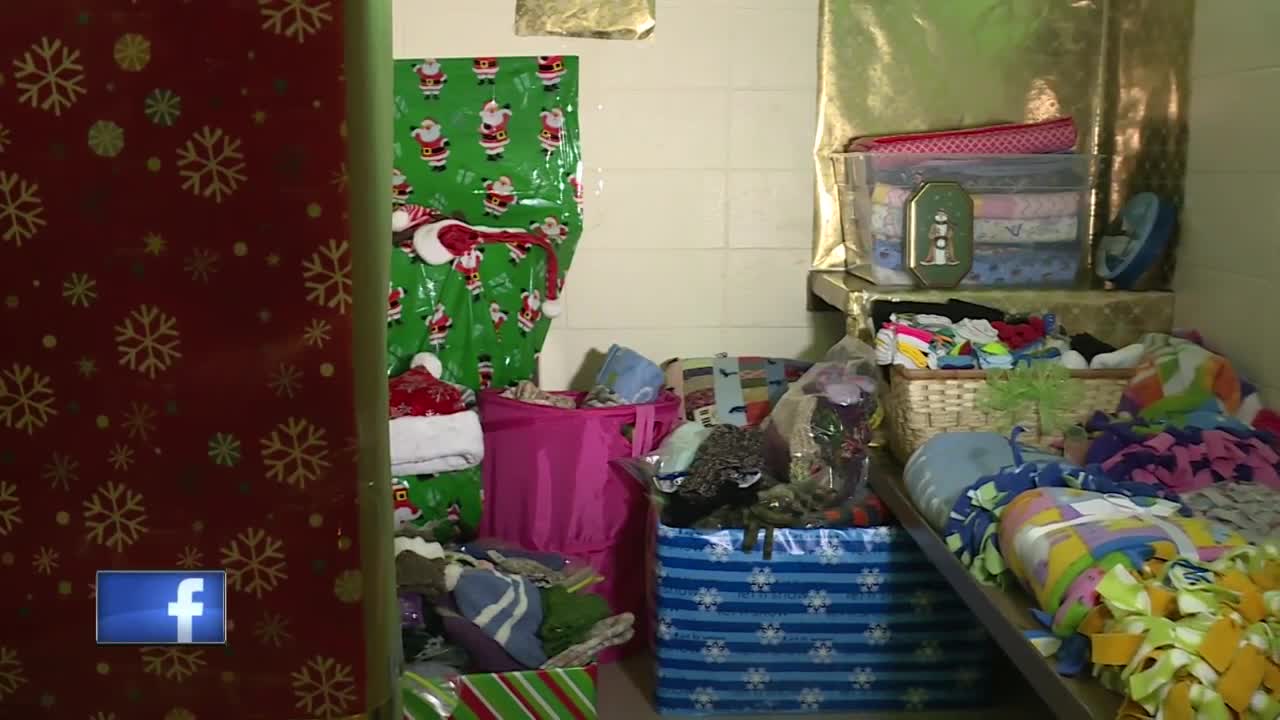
[939, 226]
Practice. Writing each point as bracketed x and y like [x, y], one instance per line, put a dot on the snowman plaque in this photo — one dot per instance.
[939, 238]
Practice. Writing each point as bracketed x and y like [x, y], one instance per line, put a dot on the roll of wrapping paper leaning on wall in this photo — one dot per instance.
[491, 142]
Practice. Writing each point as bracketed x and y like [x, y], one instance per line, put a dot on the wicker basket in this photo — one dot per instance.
[923, 403]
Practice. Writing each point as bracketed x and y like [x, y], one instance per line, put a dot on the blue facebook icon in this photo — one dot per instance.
[162, 608]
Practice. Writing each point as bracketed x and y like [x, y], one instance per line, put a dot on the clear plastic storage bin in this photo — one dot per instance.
[1030, 214]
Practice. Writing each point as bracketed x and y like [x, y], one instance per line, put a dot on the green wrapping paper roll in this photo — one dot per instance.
[493, 142]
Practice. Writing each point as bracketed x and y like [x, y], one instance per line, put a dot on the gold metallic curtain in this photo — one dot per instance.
[1118, 66]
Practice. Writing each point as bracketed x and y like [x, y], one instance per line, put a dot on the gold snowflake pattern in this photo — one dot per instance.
[179, 713]
[21, 209]
[286, 381]
[26, 399]
[148, 341]
[340, 179]
[120, 457]
[86, 367]
[349, 586]
[273, 259]
[324, 687]
[316, 333]
[224, 449]
[115, 516]
[162, 107]
[171, 662]
[154, 244]
[254, 561]
[295, 19]
[50, 76]
[190, 558]
[273, 630]
[132, 52]
[10, 509]
[295, 453]
[4, 138]
[45, 561]
[211, 164]
[80, 290]
[106, 139]
[11, 674]
[200, 264]
[61, 471]
[138, 422]
[327, 275]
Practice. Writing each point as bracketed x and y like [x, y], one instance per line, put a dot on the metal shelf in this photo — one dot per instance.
[1004, 613]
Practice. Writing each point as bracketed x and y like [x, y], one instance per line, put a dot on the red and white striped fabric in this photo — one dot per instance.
[1049, 136]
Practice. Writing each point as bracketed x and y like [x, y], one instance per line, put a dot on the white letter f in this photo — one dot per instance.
[184, 609]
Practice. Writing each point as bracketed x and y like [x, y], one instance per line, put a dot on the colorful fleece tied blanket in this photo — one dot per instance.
[1059, 542]
[973, 527]
[1183, 639]
[1183, 459]
[1179, 380]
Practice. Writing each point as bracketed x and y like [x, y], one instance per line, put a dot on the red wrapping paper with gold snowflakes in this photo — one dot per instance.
[175, 382]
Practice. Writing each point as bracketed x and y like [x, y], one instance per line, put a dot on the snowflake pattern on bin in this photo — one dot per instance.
[174, 250]
[861, 611]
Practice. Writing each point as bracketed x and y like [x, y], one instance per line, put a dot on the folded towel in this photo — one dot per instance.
[1048, 136]
[436, 444]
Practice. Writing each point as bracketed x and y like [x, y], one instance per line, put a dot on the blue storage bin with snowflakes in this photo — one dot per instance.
[837, 620]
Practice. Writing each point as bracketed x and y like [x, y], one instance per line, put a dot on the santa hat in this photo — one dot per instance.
[438, 240]
[429, 362]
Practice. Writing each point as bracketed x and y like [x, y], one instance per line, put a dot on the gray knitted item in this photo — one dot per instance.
[729, 456]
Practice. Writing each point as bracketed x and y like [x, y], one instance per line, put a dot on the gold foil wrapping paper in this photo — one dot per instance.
[605, 19]
[1119, 67]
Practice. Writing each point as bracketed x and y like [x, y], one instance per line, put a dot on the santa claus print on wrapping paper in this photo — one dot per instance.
[530, 311]
[552, 133]
[468, 265]
[514, 193]
[400, 187]
[498, 195]
[494, 138]
[395, 306]
[434, 145]
[484, 366]
[550, 70]
[405, 511]
[574, 183]
[486, 70]
[431, 78]
[498, 317]
[551, 228]
[438, 323]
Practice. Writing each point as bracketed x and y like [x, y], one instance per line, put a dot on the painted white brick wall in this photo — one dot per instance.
[697, 144]
[1229, 260]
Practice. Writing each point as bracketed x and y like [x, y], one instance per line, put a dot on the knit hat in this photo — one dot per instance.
[507, 607]
[439, 240]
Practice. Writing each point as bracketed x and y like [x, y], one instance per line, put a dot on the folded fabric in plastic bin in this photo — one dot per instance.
[1049, 136]
[838, 620]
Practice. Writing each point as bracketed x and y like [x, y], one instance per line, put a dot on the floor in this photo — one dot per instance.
[626, 691]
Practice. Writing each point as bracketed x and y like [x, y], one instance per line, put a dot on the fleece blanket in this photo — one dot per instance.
[1059, 542]
[436, 444]
[1179, 380]
[992, 206]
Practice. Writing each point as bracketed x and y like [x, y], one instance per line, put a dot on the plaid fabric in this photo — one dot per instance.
[731, 390]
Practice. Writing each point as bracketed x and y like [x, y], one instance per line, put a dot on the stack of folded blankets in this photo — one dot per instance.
[433, 428]
[1026, 211]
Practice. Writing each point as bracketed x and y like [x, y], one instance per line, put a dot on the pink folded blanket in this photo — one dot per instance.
[1049, 136]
